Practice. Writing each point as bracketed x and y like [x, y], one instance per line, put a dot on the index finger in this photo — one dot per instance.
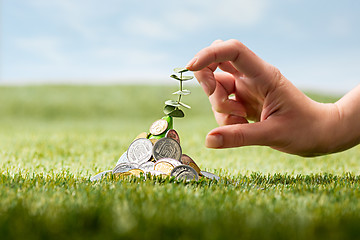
[243, 59]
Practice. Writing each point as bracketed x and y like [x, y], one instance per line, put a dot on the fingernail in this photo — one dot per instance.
[206, 88]
[192, 61]
[214, 141]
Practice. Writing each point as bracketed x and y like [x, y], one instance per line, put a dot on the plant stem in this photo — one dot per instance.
[180, 88]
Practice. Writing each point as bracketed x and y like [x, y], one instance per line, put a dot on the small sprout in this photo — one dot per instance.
[175, 77]
[181, 78]
[168, 109]
[172, 107]
[180, 70]
[186, 78]
[172, 103]
[184, 105]
[183, 92]
[177, 113]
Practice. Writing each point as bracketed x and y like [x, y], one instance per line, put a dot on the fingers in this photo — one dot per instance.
[206, 78]
[236, 135]
[219, 98]
[228, 67]
[218, 87]
[226, 119]
[243, 59]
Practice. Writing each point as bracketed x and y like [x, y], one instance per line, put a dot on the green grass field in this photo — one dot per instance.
[54, 138]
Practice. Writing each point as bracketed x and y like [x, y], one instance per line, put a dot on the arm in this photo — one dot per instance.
[349, 118]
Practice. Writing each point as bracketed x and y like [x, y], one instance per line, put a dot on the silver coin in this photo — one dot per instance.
[210, 175]
[123, 158]
[124, 167]
[181, 168]
[147, 166]
[185, 173]
[140, 151]
[99, 176]
[173, 134]
[167, 148]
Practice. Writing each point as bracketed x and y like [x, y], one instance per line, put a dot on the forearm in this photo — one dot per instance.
[349, 120]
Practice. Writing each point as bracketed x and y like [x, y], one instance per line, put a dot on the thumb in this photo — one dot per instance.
[237, 135]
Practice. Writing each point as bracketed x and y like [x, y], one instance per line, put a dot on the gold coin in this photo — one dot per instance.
[153, 140]
[122, 175]
[164, 167]
[136, 172]
[195, 167]
[142, 135]
[158, 127]
[185, 159]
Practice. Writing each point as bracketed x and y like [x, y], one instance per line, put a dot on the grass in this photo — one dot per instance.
[54, 138]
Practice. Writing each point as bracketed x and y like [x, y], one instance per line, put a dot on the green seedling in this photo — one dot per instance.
[172, 107]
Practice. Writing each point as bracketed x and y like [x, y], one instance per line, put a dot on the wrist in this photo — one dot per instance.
[348, 127]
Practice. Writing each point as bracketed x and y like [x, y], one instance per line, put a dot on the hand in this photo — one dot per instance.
[249, 89]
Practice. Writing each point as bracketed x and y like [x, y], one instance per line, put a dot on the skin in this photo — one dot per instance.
[284, 118]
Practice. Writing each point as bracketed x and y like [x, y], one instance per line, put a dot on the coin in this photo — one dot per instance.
[140, 151]
[158, 127]
[124, 167]
[142, 135]
[153, 140]
[122, 175]
[147, 166]
[123, 158]
[180, 168]
[136, 172]
[173, 134]
[164, 166]
[167, 148]
[172, 161]
[210, 175]
[99, 176]
[187, 176]
[185, 159]
[184, 172]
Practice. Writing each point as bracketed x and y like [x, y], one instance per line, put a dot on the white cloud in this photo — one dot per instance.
[47, 48]
[131, 56]
[190, 16]
[149, 28]
[83, 16]
[239, 12]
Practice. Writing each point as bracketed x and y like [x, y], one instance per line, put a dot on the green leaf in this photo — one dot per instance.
[168, 109]
[186, 78]
[183, 92]
[172, 103]
[177, 113]
[180, 70]
[175, 77]
[184, 105]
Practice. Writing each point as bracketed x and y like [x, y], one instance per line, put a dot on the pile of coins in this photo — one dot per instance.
[157, 153]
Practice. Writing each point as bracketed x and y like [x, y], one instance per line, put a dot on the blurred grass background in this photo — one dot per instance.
[86, 128]
[53, 138]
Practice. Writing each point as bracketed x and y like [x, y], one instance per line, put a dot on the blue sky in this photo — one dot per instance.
[316, 44]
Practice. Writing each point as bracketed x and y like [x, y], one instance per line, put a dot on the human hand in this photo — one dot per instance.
[248, 88]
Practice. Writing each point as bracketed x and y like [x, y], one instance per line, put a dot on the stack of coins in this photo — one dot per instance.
[157, 153]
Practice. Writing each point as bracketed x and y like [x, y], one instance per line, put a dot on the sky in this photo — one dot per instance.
[315, 44]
